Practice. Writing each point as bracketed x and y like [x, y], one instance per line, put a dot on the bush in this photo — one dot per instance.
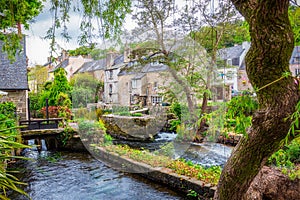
[8, 109]
[57, 111]
[136, 114]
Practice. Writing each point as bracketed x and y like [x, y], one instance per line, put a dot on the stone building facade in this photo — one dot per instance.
[13, 80]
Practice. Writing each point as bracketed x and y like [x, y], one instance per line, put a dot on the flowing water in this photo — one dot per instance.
[206, 154]
[78, 176]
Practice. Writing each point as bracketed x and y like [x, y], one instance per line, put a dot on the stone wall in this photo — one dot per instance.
[19, 98]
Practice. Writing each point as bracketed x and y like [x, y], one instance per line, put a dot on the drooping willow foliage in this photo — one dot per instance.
[108, 14]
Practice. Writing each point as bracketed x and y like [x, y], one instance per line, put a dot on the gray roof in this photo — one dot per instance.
[13, 76]
[154, 68]
[119, 59]
[295, 58]
[93, 66]
[138, 69]
[63, 64]
[230, 52]
[139, 76]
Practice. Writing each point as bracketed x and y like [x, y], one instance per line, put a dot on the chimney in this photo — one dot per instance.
[126, 54]
[110, 56]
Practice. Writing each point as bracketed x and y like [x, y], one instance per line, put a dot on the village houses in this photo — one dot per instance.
[13, 80]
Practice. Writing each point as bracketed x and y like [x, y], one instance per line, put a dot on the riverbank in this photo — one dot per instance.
[162, 175]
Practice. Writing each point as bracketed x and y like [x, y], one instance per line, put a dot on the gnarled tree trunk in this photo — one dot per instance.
[268, 58]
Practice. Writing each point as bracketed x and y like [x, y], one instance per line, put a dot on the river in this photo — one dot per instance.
[78, 176]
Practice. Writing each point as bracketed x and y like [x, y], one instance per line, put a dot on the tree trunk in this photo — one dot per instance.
[268, 58]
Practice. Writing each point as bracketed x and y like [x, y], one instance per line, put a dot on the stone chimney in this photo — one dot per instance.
[127, 54]
[110, 56]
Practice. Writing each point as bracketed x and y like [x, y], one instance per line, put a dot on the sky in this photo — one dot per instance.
[38, 49]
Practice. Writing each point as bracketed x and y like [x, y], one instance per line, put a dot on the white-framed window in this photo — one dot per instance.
[156, 99]
[229, 75]
[155, 85]
[297, 71]
[110, 88]
[111, 73]
[134, 83]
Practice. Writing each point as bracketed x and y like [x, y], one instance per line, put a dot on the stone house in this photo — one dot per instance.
[96, 68]
[295, 61]
[143, 85]
[232, 71]
[71, 64]
[13, 80]
[114, 62]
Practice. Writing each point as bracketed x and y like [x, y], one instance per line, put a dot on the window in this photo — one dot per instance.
[156, 99]
[111, 74]
[110, 89]
[134, 83]
[297, 71]
[155, 85]
[229, 62]
[229, 75]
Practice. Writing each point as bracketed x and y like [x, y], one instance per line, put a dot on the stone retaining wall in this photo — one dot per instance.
[158, 174]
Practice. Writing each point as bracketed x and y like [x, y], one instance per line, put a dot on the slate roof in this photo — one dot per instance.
[119, 60]
[138, 69]
[63, 64]
[93, 66]
[13, 76]
[154, 68]
[230, 52]
[295, 58]
[139, 76]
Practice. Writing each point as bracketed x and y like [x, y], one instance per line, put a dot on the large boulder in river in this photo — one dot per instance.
[133, 128]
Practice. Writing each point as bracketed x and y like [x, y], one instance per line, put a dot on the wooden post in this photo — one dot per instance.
[28, 106]
[47, 111]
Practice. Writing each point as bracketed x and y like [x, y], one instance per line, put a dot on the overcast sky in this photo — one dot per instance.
[38, 49]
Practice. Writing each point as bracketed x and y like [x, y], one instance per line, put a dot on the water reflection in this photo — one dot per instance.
[78, 176]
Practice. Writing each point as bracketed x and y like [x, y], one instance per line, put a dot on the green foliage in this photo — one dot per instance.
[235, 32]
[180, 110]
[239, 113]
[34, 101]
[192, 193]
[86, 89]
[287, 158]
[234, 116]
[16, 13]
[184, 133]
[66, 135]
[9, 142]
[60, 85]
[88, 126]
[295, 123]
[174, 124]
[294, 16]
[83, 50]
[136, 114]
[8, 109]
[108, 140]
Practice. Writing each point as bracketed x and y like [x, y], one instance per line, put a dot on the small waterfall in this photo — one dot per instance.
[38, 144]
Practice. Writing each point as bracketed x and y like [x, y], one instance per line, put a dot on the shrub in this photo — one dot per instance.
[137, 114]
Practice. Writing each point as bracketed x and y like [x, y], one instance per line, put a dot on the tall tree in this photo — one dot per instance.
[267, 61]
[12, 15]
